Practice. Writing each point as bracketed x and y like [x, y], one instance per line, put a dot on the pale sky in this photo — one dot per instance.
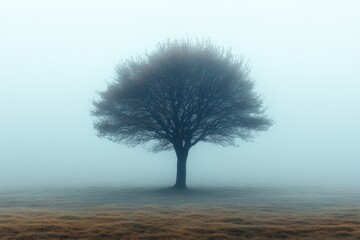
[55, 55]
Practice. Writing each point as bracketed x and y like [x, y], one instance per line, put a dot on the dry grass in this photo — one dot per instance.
[177, 223]
[203, 213]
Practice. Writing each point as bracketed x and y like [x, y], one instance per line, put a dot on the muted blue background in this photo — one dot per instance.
[55, 55]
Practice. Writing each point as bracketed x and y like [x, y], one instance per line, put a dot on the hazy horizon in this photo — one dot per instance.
[303, 55]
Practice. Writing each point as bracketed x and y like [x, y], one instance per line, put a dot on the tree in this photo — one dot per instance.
[182, 93]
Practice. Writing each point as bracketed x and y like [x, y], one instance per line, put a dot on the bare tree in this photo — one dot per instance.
[183, 93]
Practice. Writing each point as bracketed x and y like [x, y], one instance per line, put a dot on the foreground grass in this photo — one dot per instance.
[178, 223]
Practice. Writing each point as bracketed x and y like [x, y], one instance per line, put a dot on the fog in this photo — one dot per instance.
[56, 55]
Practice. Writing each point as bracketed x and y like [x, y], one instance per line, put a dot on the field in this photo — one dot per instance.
[160, 213]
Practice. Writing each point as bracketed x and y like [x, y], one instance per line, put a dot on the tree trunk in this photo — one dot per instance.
[181, 169]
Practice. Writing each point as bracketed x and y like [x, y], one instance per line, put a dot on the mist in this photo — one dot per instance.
[55, 56]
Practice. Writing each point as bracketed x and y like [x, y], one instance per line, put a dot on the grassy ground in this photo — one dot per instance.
[236, 213]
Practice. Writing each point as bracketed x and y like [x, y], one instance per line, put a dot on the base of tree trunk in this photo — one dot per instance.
[180, 182]
[178, 186]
